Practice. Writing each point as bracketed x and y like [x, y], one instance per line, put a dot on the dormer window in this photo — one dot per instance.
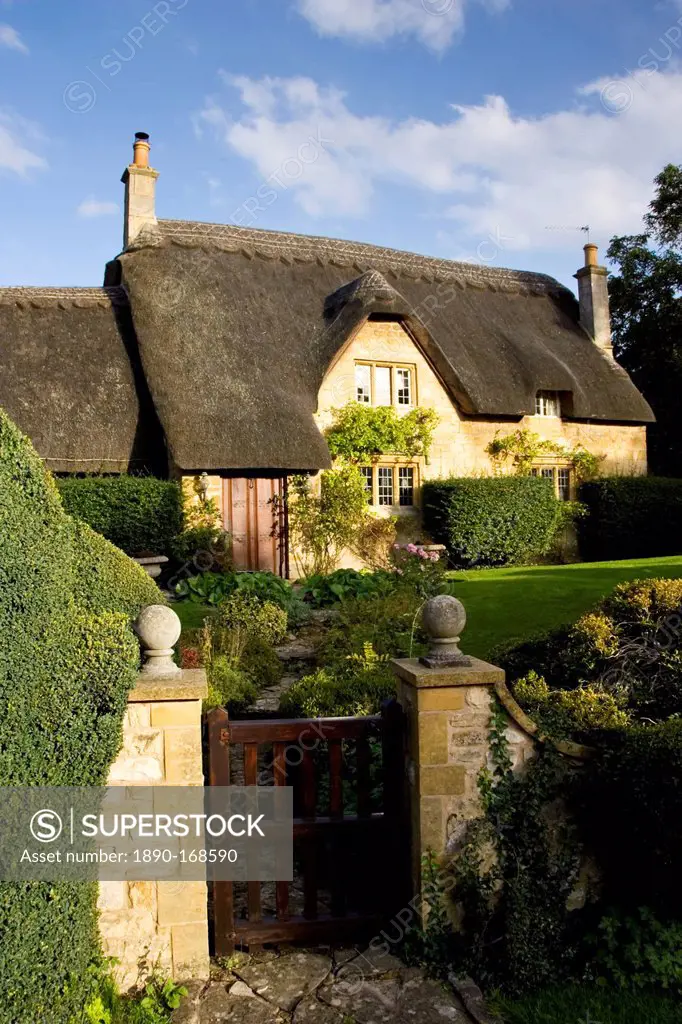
[547, 403]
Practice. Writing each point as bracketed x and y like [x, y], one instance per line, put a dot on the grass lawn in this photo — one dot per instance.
[517, 603]
[590, 1005]
[192, 615]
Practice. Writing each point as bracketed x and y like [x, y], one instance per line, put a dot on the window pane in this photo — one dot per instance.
[564, 484]
[535, 472]
[548, 474]
[382, 385]
[366, 473]
[385, 482]
[363, 383]
[404, 386]
[406, 485]
[547, 403]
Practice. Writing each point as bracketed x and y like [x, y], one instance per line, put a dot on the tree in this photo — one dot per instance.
[646, 308]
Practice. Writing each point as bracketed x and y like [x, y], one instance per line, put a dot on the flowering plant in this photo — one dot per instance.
[421, 570]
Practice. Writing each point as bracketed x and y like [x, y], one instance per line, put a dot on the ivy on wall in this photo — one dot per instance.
[522, 448]
[361, 433]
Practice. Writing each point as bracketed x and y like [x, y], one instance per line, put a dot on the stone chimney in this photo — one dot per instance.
[140, 198]
[594, 300]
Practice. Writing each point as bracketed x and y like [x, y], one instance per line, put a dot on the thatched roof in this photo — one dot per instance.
[68, 378]
[237, 328]
[232, 330]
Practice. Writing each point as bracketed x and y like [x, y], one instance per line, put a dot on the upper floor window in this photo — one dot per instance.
[384, 384]
[547, 403]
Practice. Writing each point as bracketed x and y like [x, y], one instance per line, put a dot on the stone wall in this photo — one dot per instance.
[163, 924]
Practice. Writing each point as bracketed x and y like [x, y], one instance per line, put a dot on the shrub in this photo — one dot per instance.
[106, 578]
[391, 625]
[639, 951]
[137, 514]
[630, 645]
[491, 521]
[631, 517]
[228, 687]
[360, 687]
[68, 658]
[203, 540]
[323, 590]
[566, 712]
[322, 525]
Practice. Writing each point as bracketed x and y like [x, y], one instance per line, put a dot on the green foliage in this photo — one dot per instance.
[105, 578]
[322, 525]
[214, 588]
[570, 712]
[646, 314]
[68, 658]
[630, 811]
[390, 625]
[631, 517]
[491, 521]
[360, 433]
[137, 514]
[359, 687]
[587, 1004]
[323, 590]
[203, 540]
[229, 687]
[153, 1006]
[640, 951]
[630, 646]
[523, 448]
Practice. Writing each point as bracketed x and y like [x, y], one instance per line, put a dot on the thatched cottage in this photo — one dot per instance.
[223, 350]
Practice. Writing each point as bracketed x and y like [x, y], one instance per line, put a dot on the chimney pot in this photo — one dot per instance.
[141, 149]
[591, 251]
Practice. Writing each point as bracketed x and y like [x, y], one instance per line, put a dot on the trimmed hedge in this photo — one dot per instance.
[631, 517]
[491, 521]
[136, 513]
[68, 658]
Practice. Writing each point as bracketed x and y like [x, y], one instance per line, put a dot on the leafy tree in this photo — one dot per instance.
[646, 307]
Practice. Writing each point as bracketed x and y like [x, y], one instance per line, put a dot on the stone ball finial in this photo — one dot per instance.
[158, 628]
[444, 619]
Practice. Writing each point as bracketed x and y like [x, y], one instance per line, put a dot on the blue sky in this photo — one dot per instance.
[457, 128]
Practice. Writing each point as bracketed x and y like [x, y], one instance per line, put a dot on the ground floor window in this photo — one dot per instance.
[561, 477]
[390, 485]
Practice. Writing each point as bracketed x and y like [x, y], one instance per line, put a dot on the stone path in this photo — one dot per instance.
[298, 660]
[344, 986]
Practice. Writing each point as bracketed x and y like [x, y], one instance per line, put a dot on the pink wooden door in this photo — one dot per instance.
[254, 522]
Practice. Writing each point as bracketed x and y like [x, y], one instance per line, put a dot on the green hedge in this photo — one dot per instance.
[631, 517]
[68, 658]
[492, 520]
[135, 513]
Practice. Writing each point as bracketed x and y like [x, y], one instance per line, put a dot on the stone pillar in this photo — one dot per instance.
[593, 293]
[165, 923]
[448, 712]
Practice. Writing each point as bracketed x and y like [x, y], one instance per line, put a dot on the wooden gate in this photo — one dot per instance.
[351, 844]
[254, 511]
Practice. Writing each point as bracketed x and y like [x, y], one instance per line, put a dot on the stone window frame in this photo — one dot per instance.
[393, 367]
[388, 462]
[554, 469]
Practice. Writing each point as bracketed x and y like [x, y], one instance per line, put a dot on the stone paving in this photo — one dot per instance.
[321, 986]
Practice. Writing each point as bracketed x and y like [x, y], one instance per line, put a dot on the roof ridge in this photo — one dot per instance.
[27, 295]
[343, 252]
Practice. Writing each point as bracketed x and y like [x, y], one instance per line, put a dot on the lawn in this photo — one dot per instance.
[590, 1005]
[516, 603]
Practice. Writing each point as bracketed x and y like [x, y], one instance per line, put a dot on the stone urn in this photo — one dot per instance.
[152, 564]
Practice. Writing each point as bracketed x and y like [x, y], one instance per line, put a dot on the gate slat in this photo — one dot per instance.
[337, 857]
[279, 768]
[364, 782]
[219, 775]
[251, 779]
[309, 843]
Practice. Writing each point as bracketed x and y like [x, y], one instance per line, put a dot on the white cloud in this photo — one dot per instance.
[14, 154]
[10, 38]
[92, 207]
[496, 172]
[434, 22]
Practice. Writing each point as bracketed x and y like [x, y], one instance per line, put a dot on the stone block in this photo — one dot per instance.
[442, 780]
[113, 896]
[137, 716]
[431, 824]
[440, 699]
[183, 764]
[182, 902]
[176, 713]
[478, 697]
[433, 738]
[189, 946]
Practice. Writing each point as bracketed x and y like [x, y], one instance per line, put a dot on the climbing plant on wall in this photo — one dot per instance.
[361, 433]
[522, 448]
